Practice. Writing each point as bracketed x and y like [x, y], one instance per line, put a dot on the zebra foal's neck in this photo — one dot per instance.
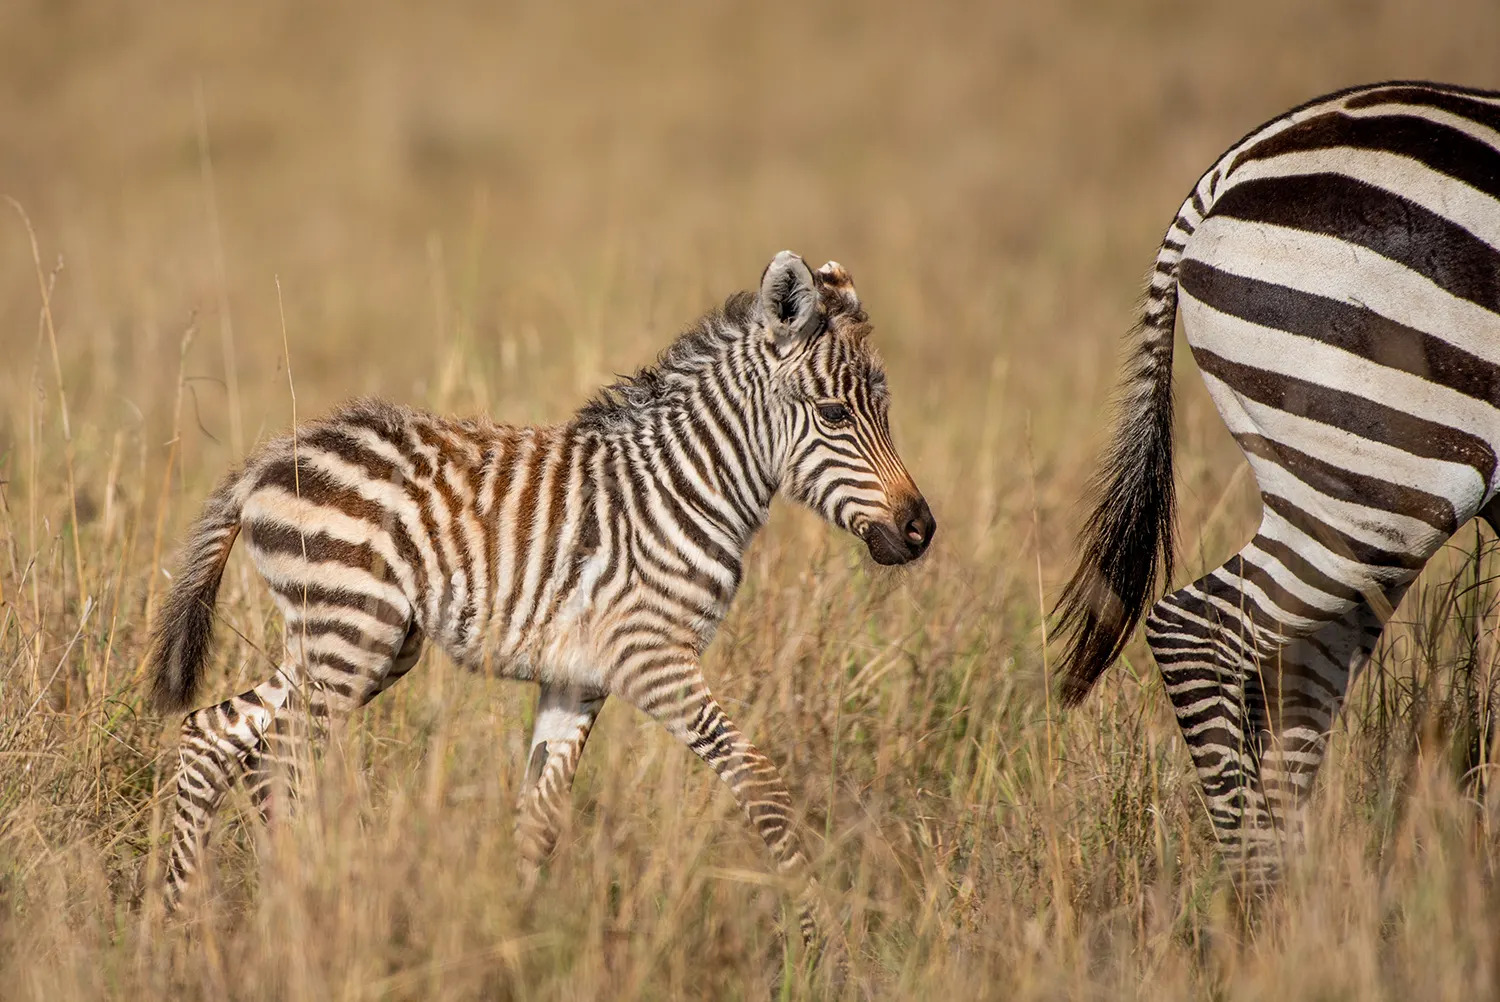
[696, 433]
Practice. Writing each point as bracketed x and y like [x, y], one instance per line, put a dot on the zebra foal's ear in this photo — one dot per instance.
[837, 288]
[788, 300]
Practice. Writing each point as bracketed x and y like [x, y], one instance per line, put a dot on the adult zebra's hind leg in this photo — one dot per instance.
[1303, 694]
[1256, 704]
[564, 718]
[1491, 514]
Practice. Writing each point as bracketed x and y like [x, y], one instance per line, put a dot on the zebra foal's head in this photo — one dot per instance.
[832, 395]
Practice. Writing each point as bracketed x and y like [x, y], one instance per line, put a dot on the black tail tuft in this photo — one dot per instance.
[1127, 543]
[183, 633]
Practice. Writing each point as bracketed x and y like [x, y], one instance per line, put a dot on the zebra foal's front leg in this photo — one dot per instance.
[677, 697]
[564, 718]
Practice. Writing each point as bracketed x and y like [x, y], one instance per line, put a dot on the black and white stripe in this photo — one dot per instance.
[1337, 272]
[595, 557]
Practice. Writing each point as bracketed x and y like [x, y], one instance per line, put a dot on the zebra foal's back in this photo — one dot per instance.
[1337, 273]
[481, 528]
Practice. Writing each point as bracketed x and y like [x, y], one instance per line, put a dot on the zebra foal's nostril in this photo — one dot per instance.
[920, 525]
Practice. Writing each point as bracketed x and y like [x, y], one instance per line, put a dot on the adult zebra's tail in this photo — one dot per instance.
[184, 631]
[1127, 543]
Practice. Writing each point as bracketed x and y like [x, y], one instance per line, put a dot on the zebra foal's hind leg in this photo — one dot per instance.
[258, 735]
[564, 718]
[216, 744]
[271, 775]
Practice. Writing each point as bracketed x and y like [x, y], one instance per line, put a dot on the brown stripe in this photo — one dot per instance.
[1354, 488]
[1355, 414]
[520, 529]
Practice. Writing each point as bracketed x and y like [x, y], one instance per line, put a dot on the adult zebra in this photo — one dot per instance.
[595, 557]
[1338, 276]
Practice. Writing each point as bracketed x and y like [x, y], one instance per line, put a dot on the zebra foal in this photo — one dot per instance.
[1337, 272]
[595, 558]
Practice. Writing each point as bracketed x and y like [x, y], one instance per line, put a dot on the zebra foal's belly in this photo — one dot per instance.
[556, 632]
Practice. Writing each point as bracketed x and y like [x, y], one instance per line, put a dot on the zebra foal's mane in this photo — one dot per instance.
[680, 365]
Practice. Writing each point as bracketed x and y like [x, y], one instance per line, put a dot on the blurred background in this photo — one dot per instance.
[496, 207]
[579, 183]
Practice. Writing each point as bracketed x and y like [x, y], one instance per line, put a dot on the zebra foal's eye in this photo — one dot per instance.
[833, 413]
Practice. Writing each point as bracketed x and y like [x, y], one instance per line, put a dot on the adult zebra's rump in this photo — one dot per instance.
[594, 557]
[1337, 272]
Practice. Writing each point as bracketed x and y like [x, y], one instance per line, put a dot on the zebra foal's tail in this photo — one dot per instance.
[183, 633]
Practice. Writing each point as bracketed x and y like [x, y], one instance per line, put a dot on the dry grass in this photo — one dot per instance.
[474, 208]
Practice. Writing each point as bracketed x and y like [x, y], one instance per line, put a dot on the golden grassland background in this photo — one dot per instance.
[471, 206]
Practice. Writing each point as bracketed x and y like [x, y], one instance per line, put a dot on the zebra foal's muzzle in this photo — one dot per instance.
[903, 539]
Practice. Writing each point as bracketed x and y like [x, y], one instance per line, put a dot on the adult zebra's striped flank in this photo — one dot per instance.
[595, 557]
[1338, 276]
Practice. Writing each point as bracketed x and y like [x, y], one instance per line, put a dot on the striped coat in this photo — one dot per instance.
[1337, 273]
[595, 557]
